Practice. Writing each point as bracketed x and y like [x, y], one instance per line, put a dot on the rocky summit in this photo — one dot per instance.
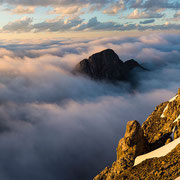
[106, 65]
[156, 143]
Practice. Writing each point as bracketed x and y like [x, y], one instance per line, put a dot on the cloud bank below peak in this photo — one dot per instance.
[58, 126]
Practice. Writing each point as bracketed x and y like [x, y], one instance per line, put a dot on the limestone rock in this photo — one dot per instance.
[161, 127]
[129, 147]
[133, 142]
[166, 167]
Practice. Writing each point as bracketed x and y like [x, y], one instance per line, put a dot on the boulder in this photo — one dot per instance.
[133, 144]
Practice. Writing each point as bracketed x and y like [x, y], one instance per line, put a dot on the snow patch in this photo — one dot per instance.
[163, 115]
[173, 99]
[163, 151]
[177, 119]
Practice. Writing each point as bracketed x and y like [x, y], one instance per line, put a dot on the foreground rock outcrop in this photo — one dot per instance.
[163, 125]
[132, 145]
[106, 65]
[166, 167]
[160, 128]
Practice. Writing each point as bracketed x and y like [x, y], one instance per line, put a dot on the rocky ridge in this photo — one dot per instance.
[163, 125]
[160, 128]
[106, 65]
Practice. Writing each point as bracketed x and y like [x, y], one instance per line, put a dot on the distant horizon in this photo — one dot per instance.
[42, 37]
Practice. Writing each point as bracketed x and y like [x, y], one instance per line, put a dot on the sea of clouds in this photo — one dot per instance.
[57, 126]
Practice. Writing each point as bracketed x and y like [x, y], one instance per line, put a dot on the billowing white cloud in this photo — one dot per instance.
[58, 24]
[109, 6]
[115, 7]
[23, 10]
[154, 5]
[55, 2]
[21, 25]
[72, 24]
[94, 24]
[137, 14]
[68, 10]
[55, 125]
[140, 9]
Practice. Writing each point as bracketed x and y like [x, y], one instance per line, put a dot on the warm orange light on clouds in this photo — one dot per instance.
[23, 10]
[84, 35]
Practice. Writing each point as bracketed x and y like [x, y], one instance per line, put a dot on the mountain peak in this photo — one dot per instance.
[106, 51]
[106, 65]
[106, 57]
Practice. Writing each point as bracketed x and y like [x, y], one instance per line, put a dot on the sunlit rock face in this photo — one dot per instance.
[160, 128]
[129, 147]
[165, 167]
[106, 65]
[133, 142]
[164, 123]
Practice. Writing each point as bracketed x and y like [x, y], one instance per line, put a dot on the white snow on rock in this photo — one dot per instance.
[177, 119]
[164, 150]
[163, 115]
[171, 100]
[174, 98]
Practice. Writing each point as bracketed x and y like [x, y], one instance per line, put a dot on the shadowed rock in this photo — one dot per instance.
[131, 64]
[106, 65]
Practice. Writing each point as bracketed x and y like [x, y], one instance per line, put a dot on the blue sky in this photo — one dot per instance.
[60, 16]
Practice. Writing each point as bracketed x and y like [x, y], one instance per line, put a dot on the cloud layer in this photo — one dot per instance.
[58, 126]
